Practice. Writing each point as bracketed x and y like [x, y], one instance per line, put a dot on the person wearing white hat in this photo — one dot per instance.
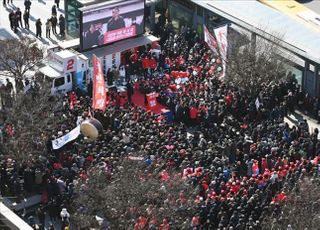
[65, 218]
[64, 214]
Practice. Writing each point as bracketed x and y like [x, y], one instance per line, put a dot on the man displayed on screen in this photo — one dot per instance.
[116, 22]
[92, 36]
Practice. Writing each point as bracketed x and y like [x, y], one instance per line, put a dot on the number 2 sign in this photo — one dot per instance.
[70, 65]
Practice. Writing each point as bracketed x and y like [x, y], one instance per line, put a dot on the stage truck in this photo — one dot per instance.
[66, 70]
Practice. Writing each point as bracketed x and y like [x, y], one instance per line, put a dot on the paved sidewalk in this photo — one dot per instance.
[39, 9]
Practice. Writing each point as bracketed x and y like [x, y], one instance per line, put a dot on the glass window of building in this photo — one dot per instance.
[180, 15]
[72, 17]
[213, 20]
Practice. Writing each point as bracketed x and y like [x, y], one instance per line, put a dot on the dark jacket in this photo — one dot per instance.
[18, 15]
[54, 21]
[11, 16]
[116, 24]
[54, 10]
[27, 4]
[61, 23]
[38, 24]
[26, 16]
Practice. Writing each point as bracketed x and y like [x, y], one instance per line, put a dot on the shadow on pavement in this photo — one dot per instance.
[53, 41]
[32, 33]
[304, 1]
[25, 31]
[32, 18]
[8, 9]
[12, 6]
[43, 2]
[44, 41]
[4, 34]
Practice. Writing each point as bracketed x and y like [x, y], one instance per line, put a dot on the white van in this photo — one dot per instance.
[67, 70]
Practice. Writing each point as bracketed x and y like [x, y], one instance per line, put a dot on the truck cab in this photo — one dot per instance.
[66, 70]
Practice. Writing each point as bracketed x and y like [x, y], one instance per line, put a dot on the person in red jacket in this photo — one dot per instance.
[145, 65]
[153, 63]
[193, 115]
[164, 225]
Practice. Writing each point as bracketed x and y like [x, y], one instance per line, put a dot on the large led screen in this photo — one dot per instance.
[110, 23]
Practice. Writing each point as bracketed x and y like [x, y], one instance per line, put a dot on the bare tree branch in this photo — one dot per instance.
[19, 56]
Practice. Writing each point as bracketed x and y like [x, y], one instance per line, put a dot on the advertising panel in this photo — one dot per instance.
[112, 22]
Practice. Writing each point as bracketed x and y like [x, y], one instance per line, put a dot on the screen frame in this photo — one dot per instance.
[111, 3]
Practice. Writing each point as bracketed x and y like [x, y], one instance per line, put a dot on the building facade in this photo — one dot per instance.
[194, 14]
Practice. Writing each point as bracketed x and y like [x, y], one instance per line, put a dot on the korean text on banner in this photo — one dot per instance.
[61, 141]
[209, 39]
[119, 34]
[221, 36]
[99, 88]
[152, 99]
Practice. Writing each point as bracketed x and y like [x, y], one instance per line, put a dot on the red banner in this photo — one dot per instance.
[179, 74]
[119, 34]
[99, 88]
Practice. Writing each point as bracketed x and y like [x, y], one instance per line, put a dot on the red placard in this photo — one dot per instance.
[119, 34]
[99, 88]
[152, 99]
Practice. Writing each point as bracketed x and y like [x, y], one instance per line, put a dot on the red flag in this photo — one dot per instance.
[99, 88]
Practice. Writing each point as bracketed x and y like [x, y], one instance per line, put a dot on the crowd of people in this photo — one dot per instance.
[238, 154]
[16, 17]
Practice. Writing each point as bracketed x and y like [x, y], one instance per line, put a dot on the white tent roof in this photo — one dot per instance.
[50, 72]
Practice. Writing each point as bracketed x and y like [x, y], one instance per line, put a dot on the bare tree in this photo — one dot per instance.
[17, 57]
[132, 192]
[301, 209]
[28, 122]
[253, 63]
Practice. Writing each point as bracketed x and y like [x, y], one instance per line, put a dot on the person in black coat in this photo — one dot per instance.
[16, 22]
[54, 22]
[27, 5]
[110, 77]
[41, 215]
[18, 16]
[130, 91]
[12, 19]
[38, 28]
[52, 210]
[54, 10]
[62, 25]
[26, 19]
[89, 88]
[57, 2]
